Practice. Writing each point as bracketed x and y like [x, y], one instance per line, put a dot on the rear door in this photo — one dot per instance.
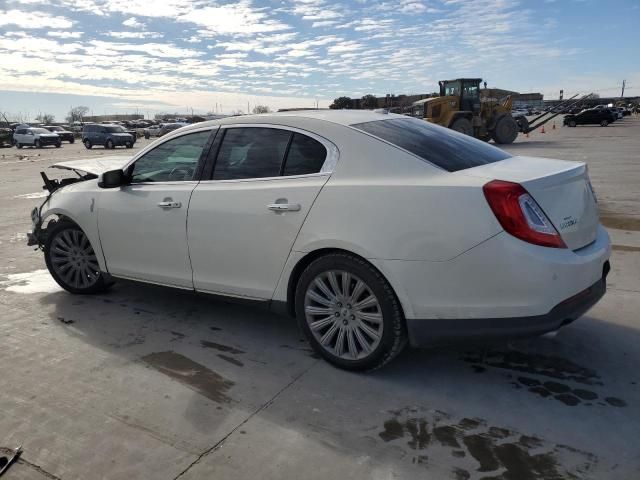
[245, 219]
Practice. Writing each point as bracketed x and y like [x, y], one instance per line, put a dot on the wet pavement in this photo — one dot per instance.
[148, 382]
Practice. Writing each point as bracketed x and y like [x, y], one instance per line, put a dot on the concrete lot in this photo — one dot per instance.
[151, 383]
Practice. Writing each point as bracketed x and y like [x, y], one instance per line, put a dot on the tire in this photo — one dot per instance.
[344, 329]
[73, 140]
[110, 145]
[58, 145]
[506, 130]
[82, 274]
[87, 144]
[128, 145]
[18, 145]
[462, 125]
[37, 144]
[147, 136]
[604, 123]
[572, 123]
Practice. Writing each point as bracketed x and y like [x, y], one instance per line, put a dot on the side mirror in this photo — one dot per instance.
[112, 179]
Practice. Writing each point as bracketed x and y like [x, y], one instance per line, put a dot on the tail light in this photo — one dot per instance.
[520, 215]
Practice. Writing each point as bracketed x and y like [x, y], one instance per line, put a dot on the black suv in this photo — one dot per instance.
[65, 135]
[111, 136]
[593, 116]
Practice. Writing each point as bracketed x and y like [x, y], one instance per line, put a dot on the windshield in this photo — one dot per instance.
[40, 130]
[55, 129]
[115, 129]
[440, 146]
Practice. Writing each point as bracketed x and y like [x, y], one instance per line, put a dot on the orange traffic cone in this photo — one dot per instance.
[542, 129]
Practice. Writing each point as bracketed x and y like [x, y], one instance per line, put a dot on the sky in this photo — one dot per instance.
[128, 56]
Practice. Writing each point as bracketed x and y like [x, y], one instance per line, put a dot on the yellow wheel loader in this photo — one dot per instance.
[463, 107]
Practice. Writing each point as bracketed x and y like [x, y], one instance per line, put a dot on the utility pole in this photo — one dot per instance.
[623, 84]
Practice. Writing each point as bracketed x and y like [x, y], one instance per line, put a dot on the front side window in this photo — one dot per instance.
[173, 161]
[449, 150]
[305, 156]
[251, 153]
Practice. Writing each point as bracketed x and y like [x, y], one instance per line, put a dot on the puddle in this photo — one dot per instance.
[475, 446]
[620, 222]
[39, 281]
[195, 376]
[41, 194]
[221, 347]
[625, 248]
[556, 370]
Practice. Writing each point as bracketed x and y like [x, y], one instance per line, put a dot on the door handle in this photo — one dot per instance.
[284, 207]
[169, 204]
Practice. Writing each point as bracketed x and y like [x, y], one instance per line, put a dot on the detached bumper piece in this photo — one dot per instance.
[425, 332]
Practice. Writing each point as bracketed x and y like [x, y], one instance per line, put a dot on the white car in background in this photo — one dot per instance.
[35, 137]
[372, 229]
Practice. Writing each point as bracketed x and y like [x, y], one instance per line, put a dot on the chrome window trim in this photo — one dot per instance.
[330, 161]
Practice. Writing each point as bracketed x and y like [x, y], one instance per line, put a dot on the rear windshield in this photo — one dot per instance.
[445, 148]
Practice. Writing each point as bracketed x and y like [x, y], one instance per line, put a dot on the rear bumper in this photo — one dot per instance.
[424, 332]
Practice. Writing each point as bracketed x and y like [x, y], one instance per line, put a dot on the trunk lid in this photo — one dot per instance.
[561, 188]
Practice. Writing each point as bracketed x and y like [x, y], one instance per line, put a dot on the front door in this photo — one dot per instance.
[143, 225]
[244, 221]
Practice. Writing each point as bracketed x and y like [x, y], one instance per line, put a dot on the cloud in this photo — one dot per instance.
[133, 23]
[33, 20]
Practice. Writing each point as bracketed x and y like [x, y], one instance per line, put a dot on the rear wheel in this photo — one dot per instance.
[604, 123]
[572, 123]
[72, 140]
[110, 145]
[18, 145]
[72, 262]
[462, 125]
[87, 144]
[349, 312]
[58, 145]
[506, 130]
[128, 145]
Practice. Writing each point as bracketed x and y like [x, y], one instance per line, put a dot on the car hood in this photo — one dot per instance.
[95, 166]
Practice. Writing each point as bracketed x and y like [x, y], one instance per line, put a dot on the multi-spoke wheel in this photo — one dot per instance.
[349, 312]
[72, 261]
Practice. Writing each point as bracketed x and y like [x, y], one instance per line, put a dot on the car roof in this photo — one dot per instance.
[342, 117]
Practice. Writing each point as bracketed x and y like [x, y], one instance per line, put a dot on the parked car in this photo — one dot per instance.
[111, 136]
[6, 137]
[65, 135]
[454, 238]
[35, 137]
[169, 127]
[618, 112]
[151, 131]
[593, 116]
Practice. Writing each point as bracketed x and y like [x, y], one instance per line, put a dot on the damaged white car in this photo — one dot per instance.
[372, 229]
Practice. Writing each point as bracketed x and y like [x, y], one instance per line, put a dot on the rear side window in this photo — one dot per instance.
[251, 153]
[443, 147]
[305, 156]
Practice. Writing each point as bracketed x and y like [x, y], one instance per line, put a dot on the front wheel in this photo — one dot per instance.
[18, 145]
[604, 123]
[72, 140]
[110, 145]
[572, 123]
[506, 130]
[128, 145]
[58, 145]
[37, 144]
[87, 144]
[72, 261]
[349, 312]
[462, 125]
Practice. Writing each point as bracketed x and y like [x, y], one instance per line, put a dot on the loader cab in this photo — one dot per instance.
[466, 89]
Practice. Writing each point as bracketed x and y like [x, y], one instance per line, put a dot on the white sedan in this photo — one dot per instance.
[372, 229]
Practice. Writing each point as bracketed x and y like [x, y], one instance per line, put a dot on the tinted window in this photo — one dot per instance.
[445, 148]
[306, 155]
[114, 129]
[22, 131]
[251, 153]
[172, 161]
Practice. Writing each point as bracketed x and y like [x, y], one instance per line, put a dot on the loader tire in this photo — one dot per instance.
[462, 125]
[506, 130]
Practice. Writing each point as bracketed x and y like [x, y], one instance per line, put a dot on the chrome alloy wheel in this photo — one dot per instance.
[343, 314]
[74, 260]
